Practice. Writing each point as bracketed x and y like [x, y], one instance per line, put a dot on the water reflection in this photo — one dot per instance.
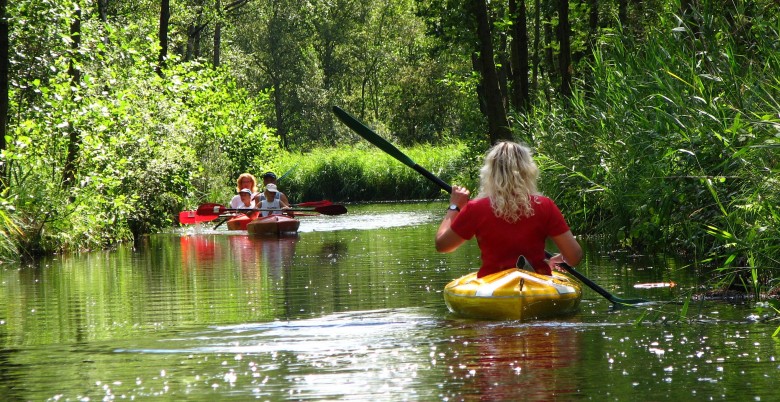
[507, 362]
[352, 309]
[332, 250]
[273, 254]
[198, 251]
[386, 353]
[367, 219]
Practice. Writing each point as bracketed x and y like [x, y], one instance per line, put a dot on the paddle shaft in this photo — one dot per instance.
[287, 172]
[326, 210]
[609, 296]
[380, 142]
[389, 148]
[617, 301]
[212, 209]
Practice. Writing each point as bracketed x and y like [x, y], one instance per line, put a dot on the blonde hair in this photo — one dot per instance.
[508, 178]
[246, 176]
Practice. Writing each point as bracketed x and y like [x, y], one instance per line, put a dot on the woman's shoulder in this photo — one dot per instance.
[481, 202]
[541, 199]
[543, 203]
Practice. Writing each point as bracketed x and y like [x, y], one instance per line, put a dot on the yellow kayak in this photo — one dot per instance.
[513, 294]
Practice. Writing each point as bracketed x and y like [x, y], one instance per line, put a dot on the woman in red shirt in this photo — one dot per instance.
[509, 217]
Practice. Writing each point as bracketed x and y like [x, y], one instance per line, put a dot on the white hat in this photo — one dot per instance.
[271, 187]
[245, 190]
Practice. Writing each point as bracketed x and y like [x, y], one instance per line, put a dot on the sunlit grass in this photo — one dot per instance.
[358, 173]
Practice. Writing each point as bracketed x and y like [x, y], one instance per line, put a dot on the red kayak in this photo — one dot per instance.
[240, 221]
[273, 225]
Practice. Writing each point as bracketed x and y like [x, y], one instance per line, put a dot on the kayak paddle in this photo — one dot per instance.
[313, 204]
[391, 150]
[616, 301]
[212, 209]
[191, 217]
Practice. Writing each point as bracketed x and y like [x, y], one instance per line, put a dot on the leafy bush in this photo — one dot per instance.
[148, 146]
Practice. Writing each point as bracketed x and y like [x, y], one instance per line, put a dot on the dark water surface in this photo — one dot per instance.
[352, 309]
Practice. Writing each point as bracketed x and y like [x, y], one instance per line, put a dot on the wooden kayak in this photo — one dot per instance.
[513, 294]
[240, 221]
[273, 225]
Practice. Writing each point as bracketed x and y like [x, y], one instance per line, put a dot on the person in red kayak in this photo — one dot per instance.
[245, 181]
[271, 199]
[509, 218]
[246, 199]
[270, 178]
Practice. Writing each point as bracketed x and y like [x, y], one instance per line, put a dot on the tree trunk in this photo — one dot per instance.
[3, 88]
[504, 69]
[74, 140]
[498, 124]
[623, 13]
[549, 56]
[564, 39]
[194, 35]
[192, 39]
[103, 10]
[537, 33]
[165, 17]
[217, 34]
[476, 64]
[593, 20]
[520, 94]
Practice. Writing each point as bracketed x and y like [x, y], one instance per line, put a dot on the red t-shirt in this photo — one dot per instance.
[501, 242]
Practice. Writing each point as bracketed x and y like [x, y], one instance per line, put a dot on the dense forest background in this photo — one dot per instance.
[656, 123]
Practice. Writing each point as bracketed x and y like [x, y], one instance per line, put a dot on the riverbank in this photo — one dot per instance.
[359, 173]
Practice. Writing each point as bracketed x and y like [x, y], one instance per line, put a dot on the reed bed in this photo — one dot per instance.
[358, 173]
[674, 147]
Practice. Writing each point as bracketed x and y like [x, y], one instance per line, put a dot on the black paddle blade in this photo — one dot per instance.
[374, 138]
[333, 209]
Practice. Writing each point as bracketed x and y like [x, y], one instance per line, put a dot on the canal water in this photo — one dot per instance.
[351, 309]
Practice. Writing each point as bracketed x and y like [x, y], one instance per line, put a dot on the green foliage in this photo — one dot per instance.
[147, 145]
[358, 173]
[371, 58]
[669, 141]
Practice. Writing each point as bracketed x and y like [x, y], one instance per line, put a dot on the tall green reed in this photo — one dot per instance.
[673, 148]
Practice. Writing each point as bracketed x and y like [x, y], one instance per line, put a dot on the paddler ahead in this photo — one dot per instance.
[509, 217]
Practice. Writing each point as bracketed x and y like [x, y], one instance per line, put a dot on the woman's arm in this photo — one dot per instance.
[446, 239]
[571, 252]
